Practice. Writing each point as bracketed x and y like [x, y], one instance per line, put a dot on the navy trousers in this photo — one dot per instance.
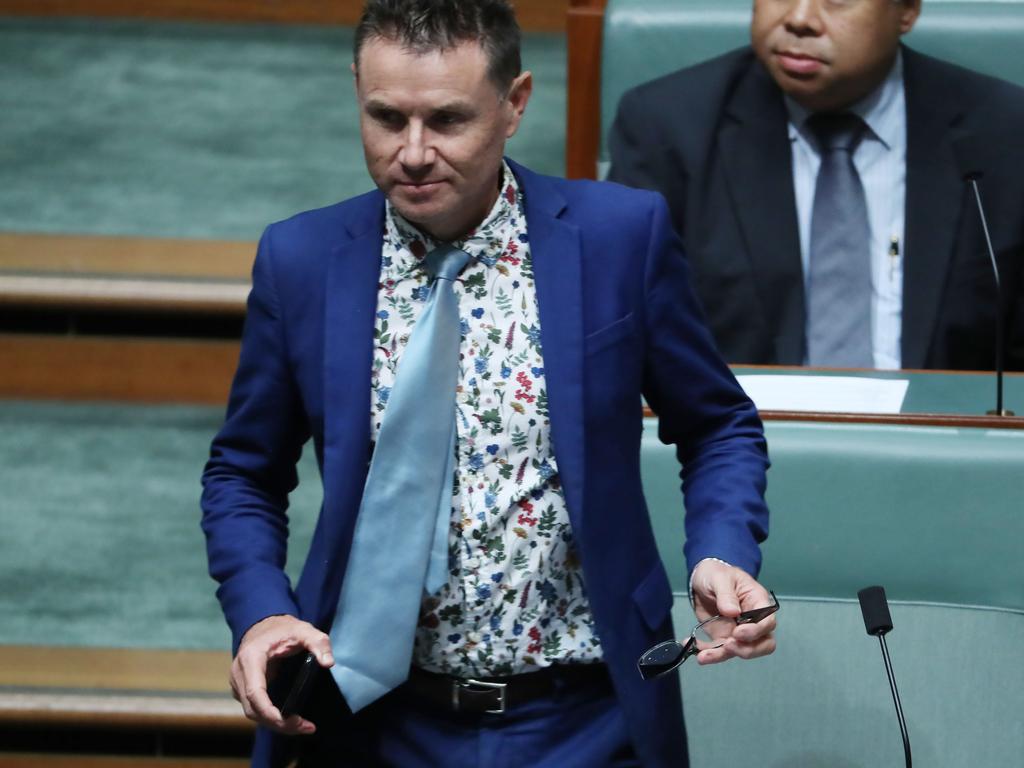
[579, 728]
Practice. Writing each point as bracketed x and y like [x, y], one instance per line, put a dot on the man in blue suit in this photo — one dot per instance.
[574, 305]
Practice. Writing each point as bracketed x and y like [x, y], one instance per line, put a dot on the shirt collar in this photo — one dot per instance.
[881, 109]
[480, 243]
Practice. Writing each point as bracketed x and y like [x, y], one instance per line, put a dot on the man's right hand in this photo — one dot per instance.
[264, 644]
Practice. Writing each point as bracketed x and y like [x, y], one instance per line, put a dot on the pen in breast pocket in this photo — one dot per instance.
[894, 256]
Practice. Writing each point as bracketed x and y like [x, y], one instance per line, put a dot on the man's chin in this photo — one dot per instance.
[807, 91]
[423, 217]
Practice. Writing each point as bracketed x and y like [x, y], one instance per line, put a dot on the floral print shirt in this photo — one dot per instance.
[515, 599]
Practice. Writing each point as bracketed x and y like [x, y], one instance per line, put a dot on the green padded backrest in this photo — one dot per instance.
[644, 39]
[933, 514]
[822, 700]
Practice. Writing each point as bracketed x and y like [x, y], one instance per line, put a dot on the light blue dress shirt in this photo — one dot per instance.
[881, 161]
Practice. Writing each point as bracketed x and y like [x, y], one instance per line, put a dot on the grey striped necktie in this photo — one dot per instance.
[839, 279]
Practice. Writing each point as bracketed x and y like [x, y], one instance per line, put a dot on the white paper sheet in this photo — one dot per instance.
[828, 394]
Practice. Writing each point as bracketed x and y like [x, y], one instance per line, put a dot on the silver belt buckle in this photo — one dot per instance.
[470, 684]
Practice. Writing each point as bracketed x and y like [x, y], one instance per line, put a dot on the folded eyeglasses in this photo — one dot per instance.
[711, 633]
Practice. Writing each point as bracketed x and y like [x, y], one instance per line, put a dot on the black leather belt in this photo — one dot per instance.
[494, 695]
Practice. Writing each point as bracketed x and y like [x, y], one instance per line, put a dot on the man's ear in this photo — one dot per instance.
[518, 96]
[908, 16]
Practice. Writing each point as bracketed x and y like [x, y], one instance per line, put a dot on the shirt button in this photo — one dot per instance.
[474, 637]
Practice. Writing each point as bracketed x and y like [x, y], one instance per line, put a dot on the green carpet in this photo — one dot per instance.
[199, 130]
[101, 543]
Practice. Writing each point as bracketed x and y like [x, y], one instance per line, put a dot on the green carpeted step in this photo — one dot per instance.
[199, 130]
[101, 543]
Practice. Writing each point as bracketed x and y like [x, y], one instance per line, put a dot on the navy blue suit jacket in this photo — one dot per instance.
[618, 321]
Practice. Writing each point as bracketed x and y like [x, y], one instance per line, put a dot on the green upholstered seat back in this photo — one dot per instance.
[934, 515]
[644, 39]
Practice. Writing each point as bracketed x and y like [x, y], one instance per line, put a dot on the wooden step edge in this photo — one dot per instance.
[128, 710]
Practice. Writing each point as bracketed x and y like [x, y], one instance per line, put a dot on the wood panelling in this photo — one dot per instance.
[118, 688]
[92, 255]
[123, 669]
[132, 370]
[123, 294]
[539, 15]
[89, 709]
[584, 27]
[124, 273]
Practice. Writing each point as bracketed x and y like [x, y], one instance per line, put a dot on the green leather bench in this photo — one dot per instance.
[644, 39]
[934, 514]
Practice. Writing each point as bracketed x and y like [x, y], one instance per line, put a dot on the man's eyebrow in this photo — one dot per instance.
[460, 106]
[378, 105]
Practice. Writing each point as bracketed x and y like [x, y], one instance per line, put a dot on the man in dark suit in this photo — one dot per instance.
[732, 145]
[575, 303]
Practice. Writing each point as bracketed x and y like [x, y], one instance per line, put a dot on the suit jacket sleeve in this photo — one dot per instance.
[701, 409]
[251, 469]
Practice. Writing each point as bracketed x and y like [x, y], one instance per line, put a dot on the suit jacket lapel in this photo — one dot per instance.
[755, 151]
[555, 249]
[350, 306]
[933, 205]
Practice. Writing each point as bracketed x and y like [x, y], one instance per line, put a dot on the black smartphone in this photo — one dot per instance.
[293, 682]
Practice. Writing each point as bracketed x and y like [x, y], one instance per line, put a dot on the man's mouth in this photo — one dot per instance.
[798, 63]
[422, 186]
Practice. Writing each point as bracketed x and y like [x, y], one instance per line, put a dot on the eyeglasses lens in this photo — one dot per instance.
[662, 658]
[667, 655]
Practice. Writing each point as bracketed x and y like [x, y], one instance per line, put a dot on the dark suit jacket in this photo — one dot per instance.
[618, 319]
[713, 140]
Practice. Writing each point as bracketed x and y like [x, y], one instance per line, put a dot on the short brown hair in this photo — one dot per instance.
[430, 25]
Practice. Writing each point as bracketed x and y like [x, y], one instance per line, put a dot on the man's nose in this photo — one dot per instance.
[416, 151]
[804, 17]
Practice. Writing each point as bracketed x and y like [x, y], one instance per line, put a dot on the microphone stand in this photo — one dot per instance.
[1000, 342]
[896, 699]
[877, 621]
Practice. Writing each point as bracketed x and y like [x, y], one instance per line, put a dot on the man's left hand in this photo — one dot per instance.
[724, 590]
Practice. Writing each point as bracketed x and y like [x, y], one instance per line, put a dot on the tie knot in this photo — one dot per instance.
[841, 131]
[445, 262]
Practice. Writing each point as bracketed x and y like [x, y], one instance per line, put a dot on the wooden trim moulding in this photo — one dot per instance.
[118, 688]
[75, 272]
[128, 710]
[127, 370]
[123, 294]
[584, 29]
[903, 419]
[115, 256]
[533, 15]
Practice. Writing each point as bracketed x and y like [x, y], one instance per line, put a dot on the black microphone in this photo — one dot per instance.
[969, 153]
[877, 622]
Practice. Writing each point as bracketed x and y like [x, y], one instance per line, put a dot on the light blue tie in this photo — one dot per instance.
[400, 545]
